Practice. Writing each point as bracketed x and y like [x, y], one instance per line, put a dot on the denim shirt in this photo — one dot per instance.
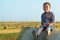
[47, 18]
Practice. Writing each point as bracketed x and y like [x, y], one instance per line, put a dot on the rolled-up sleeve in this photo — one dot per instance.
[52, 19]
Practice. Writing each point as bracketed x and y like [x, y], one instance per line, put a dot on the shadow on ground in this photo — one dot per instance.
[27, 35]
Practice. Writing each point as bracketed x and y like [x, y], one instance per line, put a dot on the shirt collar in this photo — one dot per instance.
[47, 13]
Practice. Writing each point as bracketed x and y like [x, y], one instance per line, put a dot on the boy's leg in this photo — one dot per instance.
[39, 31]
[36, 34]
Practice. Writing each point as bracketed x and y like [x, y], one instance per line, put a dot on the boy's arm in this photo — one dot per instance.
[42, 20]
[52, 20]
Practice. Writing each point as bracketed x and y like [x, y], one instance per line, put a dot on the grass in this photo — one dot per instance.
[11, 36]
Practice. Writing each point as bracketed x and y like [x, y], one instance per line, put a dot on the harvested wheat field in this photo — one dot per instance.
[23, 31]
[6, 31]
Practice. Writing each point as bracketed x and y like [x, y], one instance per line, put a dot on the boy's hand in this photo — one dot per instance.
[50, 24]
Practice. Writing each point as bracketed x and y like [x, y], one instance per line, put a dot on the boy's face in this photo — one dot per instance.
[46, 8]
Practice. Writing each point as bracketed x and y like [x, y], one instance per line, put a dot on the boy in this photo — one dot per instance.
[47, 19]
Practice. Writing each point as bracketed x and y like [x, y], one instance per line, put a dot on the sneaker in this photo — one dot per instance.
[34, 35]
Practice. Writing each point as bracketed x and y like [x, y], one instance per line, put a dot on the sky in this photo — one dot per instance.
[26, 10]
